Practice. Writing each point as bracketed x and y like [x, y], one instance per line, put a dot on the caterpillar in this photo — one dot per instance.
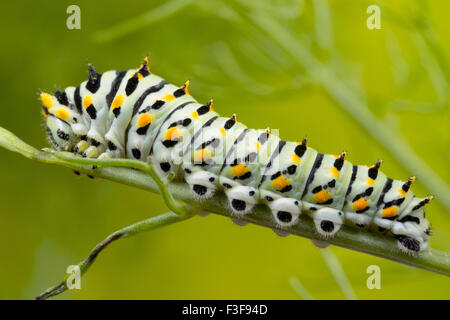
[138, 115]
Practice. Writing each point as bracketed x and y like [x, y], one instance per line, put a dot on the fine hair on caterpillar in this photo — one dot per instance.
[137, 115]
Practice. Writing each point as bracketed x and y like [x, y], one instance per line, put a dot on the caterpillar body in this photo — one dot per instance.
[138, 115]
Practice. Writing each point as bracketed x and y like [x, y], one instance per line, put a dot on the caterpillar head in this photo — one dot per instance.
[58, 107]
[412, 229]
[60, 134]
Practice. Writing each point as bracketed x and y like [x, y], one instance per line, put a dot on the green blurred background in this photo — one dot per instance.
[51, 218]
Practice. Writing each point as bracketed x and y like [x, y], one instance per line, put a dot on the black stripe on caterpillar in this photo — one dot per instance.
[138, 115]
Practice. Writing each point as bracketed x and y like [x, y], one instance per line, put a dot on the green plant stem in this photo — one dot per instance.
[338, 273]
[350, 238]
[139, 227]
[171, 203]
[300, 289]
[151, 16]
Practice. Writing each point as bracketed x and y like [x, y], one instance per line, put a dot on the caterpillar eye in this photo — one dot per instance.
[60, 134]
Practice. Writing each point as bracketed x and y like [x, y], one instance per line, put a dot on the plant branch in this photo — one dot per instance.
[300, 289]
[335, 267]
[141, 21]
[350, 238]
[139, 227]
[172, 204]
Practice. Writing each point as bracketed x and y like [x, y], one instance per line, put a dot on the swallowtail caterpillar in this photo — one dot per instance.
[137, 115]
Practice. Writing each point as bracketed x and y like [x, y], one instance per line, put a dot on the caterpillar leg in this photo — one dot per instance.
[358, 220]
[202, 184]
[410, 228]
[328, 221]
[203, 214]
[91, 152]
[80, 147]
[239, 222]
[409, 238]
[281, 233]
[105, 156]
[242, 199]
[320, 244]
[285, 211]
[408, 244]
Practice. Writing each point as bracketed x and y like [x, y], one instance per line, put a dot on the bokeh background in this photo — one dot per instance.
[303, 67]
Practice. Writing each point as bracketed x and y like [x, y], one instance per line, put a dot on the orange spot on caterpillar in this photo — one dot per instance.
[47, 100]
[169, 97]
[296, 158]
[87, 101]
[280, 183]
[145, 119]
[360, 204]
[202, 155]
[389, 212]
[186, 86]
[173, 133]
[62, 113]
[322, 196]
[118, 101]
[335, 172]
[239, 170]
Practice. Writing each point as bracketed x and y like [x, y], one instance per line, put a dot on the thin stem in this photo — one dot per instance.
[338, 273]
[171, 203]
[300, 289]
[350, 238]
[153, 15]
[139, 227]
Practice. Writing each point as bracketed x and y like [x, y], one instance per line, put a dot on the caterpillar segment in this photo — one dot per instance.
[137, 115]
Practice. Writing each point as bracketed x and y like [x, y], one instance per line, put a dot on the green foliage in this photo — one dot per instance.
[399, 74]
